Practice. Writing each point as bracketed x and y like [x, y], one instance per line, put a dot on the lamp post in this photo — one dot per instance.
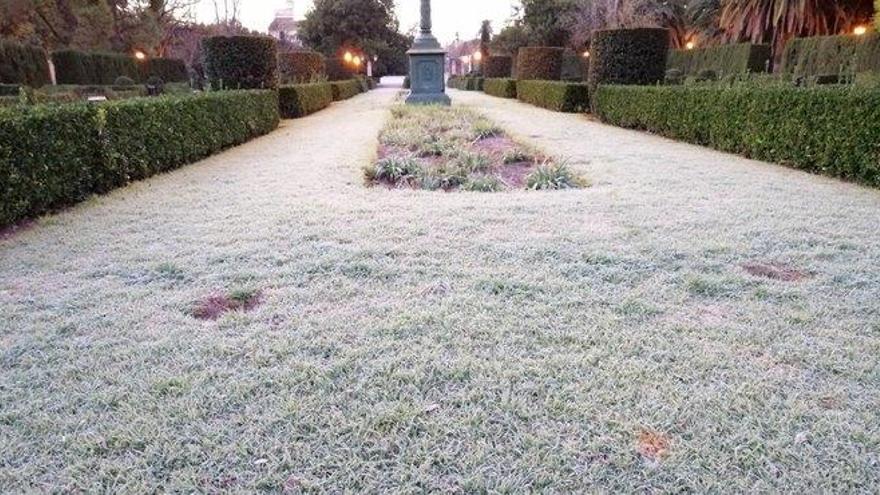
[426, 65]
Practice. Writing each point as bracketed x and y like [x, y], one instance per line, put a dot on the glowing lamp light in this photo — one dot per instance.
[587, 54]
[357, 61]
[140, 55]
[690, 45]
[348, 57]
[478, 56]
[860, 30]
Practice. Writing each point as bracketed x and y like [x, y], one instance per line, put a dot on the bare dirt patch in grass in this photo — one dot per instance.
[653, 445]
[456, 149]
[775, 271]
[216, 305]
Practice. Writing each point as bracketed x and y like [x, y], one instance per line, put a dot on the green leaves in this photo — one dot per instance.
[299, 100]
[241, 62]
[555, 95]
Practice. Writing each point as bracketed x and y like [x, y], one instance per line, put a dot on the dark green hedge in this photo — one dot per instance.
[628, 56]
[23, 64]
[102, 69]
[558, 96]
[724, 60]
[498, 66]
[343, 90]
[240, 62]
[299, 100]
[826, 130]
[54, 156]
[539, 63]
[337, 70]
[301, 67]
[504, 88]
[831, 55]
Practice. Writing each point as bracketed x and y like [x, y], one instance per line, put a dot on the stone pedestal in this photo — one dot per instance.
[427, 61]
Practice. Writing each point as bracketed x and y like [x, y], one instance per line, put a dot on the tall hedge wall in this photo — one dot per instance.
[301, 67]
[498, 66]
[628, 56]
[54, 156]
[830, 55]
[559, 96]
[825, 130]
[23, 64]
[299, 100]
[724, 60]
[85, 68]
[539, 63]
[337, 70]
[240, 62]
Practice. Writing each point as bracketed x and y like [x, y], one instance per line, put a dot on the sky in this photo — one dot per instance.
[449, 16]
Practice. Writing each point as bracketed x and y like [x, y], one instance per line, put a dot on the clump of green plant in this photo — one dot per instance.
[484, 129]
[482, 183]
[393, 169]
[518, 155]
[471, 162]
[553, 176]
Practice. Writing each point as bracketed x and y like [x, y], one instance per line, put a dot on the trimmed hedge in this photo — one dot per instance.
[539, 63]
[102, 69]
[833, 131]
[628, 56]
[558, 96]
[498, 66]
[23, 64]
[301, 67]
[831, 55]
[504, 88]
[54, 156]
[343, 90]
[241, 62]
[724, 60]
[299, 100]
[337, 70]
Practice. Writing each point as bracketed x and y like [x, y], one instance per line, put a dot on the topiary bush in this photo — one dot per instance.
[301, 67]
[558, 96]
[498, 66]
[821, 129]
[240, 62]
[725, 60]
[23, 64]
[299, 100]
[826, 55]
[628, 56]
[343, 90]
[168, 69]
[503, 88]
[82, 68]
[539, 63]
[337, 70]
[54, 156]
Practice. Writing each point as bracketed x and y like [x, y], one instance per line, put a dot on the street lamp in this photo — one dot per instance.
[587, 54]
[140, 55]
[690, 45]
[348, 57]
[860, 30]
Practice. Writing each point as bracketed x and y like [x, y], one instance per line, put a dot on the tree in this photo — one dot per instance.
[877, 15]
[370, 26]
[485, 35]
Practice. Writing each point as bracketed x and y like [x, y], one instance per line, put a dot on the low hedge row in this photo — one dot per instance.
[343, 90]
[299, 100]
[504, 88]
[558, 96]
[831, 55]
[825, 130]
[54, 156]
[466, 83]
[23, 64]
[723, 60]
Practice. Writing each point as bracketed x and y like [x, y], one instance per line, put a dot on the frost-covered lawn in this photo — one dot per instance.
[691, 322]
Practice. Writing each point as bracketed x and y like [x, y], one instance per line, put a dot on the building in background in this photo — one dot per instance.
[285, 27]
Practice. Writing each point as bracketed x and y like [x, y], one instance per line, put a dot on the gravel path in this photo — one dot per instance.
[624, 337]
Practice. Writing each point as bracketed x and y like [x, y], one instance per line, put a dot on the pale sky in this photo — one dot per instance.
[449, 16]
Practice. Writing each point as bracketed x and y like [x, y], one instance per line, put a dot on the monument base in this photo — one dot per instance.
[426, 67]
[428, 99]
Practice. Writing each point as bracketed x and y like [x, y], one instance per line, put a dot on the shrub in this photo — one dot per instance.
[474, 83]
[674, 77]
[498, 66]
[553, 177]
[824, 55]
[23, 64]
[820, 129]
[76, 67]
[123, 82]
[55, 156]
[240, 62]
[10, 89]
[301, 67]
[574, 67]
[167, 69]
[504, 88]
[724, 60]
[539, 62]
[337, 70]
[558, 96]
[299, 100]
[628, 56]
[343, 90]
